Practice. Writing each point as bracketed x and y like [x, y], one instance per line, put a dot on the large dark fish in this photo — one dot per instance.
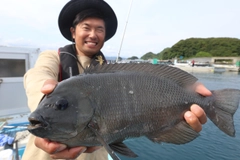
[111, 103]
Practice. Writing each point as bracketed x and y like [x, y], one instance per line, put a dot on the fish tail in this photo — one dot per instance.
[224, 104]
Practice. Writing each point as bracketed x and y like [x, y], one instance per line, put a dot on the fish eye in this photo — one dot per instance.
[61, 104]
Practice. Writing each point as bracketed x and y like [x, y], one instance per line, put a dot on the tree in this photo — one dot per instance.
[193, 46]
[133, 57]
[165, 54]
[119, 58]
[149, 55]
[203, 54]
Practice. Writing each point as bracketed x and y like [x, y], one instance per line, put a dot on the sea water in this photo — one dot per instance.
[212, 144]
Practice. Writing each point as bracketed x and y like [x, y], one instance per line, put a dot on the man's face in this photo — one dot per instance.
[89, 36]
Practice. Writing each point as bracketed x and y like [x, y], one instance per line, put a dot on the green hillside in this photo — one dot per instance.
[199, 47]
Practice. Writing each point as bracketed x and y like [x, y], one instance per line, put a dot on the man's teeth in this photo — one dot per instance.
[92, 43]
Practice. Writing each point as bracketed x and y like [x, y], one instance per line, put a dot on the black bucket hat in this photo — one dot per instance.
[73, 7]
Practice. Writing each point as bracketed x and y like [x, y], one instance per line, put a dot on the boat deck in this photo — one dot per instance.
[14, 133]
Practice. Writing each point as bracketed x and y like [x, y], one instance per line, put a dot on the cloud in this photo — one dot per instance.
[152, 25]
[40, 15]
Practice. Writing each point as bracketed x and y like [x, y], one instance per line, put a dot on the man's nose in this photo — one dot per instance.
[92, 34]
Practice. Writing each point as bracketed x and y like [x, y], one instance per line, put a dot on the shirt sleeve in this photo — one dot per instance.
[46, 67]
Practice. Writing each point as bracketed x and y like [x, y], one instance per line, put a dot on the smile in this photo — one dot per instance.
[91, 43]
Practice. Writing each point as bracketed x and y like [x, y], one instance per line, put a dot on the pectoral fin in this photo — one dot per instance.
[180, 134]
[94, 127]
[122, 149]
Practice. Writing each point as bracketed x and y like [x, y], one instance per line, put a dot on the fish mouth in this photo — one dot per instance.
[36, 123]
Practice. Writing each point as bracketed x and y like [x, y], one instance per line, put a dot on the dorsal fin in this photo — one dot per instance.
[179, 76]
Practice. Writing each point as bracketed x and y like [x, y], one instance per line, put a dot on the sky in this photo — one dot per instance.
[151, 26]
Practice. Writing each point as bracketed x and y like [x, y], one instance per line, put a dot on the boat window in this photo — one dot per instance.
[12, 67]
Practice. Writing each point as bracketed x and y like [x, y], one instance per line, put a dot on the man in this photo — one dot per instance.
[88, 23]
[193, 62]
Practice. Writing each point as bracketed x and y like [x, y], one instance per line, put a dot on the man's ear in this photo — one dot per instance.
[72, 30]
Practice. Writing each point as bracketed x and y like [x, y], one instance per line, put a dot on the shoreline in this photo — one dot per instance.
[195, 69]
[206, 69]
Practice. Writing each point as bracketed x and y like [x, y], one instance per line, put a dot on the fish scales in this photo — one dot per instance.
[111, 103]
[155, 104]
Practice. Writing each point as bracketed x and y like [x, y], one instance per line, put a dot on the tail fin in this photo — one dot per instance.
[224, 105]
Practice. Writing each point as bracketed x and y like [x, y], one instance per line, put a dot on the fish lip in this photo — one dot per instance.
[36, 123]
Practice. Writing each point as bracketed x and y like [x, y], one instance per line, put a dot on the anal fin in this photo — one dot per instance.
[180, 134]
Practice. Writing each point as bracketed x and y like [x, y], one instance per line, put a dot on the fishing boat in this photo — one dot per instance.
[14, 62]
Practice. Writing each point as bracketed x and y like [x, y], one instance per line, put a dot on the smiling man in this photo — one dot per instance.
[88, 33]
[87, 24]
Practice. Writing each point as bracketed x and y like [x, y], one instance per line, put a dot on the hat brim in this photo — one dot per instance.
[73, 7]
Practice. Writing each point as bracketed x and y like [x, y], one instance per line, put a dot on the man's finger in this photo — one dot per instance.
[92, 149]
[199, 113]
[71, 153]
[201, 89]
[48, 86]
[48, 146]
[193, 121]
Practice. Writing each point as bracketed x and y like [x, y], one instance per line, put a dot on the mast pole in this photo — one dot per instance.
[124, 31]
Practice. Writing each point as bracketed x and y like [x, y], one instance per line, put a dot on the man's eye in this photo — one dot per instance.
[85, 28]
[100, 30]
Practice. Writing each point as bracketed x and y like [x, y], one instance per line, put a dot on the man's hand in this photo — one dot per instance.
[58, 150]
[196, 116]
[49, 86]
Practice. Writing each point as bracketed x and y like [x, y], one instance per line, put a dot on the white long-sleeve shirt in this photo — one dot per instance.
[47, 67]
